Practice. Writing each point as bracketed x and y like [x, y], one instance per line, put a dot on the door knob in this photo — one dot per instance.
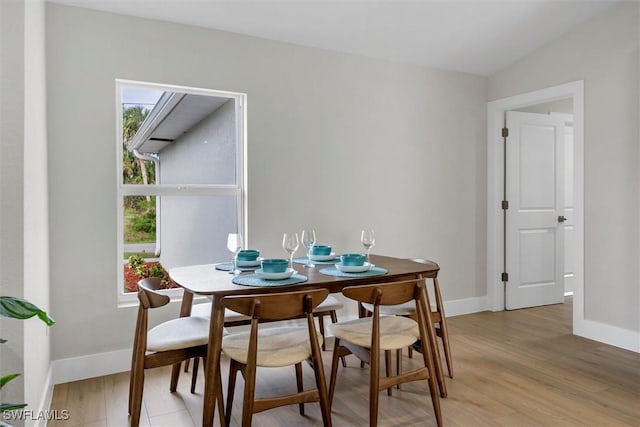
[562, 218]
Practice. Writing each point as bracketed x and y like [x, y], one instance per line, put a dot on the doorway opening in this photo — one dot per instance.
[535, 102]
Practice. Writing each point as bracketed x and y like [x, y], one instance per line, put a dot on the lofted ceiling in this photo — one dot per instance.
[479, 37]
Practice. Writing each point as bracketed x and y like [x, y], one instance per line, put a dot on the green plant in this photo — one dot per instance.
[18, 308]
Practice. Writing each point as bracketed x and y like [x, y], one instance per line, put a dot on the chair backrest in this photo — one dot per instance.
[148, 293]
[392, 293]
[278, 306]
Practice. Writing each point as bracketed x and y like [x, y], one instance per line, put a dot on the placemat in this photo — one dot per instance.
[373, 271]
[253, 280]
[228, 266]
[305, 261]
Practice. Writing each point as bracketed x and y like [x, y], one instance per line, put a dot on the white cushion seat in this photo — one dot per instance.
[277, 347]
[204, 310]
[331, 303]
[182, 332]
[395, 332]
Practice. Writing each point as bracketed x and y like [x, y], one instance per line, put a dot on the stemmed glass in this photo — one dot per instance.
[368, 240]
[290, 243]
[308, 240]
[234, 244]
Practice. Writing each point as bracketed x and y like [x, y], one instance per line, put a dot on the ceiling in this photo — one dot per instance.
[479, 37]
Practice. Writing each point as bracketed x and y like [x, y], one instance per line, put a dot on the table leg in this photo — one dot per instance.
[431, 333]
[212, 374]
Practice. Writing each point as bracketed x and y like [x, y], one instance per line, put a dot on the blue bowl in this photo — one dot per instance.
[355, 260]
[320, 250]
[248, 255]
[274, 265]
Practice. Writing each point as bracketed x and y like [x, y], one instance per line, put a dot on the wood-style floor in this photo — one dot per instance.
[519, 368]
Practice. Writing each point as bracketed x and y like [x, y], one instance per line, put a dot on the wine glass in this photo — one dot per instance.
[290, 243]
[368, 240]
[308, 240]
[234, 243]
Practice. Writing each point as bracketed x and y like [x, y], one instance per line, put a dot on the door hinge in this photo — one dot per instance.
[504, 277]
[505, 132]
[505, 205]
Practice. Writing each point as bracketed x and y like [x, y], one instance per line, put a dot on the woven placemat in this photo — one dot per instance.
[228, 266]
[305, 261]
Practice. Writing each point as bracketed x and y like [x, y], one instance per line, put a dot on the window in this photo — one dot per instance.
[181, 178]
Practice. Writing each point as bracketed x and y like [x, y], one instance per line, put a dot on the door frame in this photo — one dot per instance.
[495, 179]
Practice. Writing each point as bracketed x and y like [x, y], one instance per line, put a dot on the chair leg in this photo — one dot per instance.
[398, 364]
[299, 384]
[249, 394]
[334, 319]
[194, 374]
[374, 383]
[387, 368]
[446, 346]
[137, 387]
[233, 373]
[334, 369]
[175, 374]
[186, 365]
[410, 352]
[321, 327]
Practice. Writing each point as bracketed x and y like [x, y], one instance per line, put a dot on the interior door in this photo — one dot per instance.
[534, 228]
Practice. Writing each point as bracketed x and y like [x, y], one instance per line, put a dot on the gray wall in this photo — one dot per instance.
[604, 53]
[336, 141]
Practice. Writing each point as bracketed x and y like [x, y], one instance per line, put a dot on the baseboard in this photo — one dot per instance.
[465, 306]
[608, 334]
[89, 366]
[45, 400]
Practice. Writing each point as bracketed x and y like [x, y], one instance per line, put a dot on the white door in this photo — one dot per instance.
[534, 219]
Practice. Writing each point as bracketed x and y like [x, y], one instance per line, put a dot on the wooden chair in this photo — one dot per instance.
[438, 318]
[366, 337]
[275, 347]
[168, 343]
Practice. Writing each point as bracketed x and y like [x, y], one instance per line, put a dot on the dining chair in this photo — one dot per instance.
[275, 347]
[438, 318]
[168, 343]
[367, 337]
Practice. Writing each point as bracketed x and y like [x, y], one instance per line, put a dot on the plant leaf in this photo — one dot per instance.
[18, 308]
[5, 407]
[7, 378]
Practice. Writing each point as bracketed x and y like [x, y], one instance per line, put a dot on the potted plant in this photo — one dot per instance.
[17, 308]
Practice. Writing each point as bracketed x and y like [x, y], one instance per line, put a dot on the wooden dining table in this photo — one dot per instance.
[206, 280]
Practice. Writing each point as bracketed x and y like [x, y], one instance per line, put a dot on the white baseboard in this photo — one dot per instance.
[465, 306]
[608, 334]
[89, 366]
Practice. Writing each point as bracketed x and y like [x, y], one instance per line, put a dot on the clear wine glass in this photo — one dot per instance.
[290, 243]
[308, 240]
[234, 244]
[368, 240]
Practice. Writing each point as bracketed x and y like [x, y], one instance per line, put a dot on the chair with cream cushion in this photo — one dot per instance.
[438, 318]
[367, 337]
[275, 347]
[165, 344]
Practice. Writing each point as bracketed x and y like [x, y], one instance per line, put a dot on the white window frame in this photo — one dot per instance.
[123, 190]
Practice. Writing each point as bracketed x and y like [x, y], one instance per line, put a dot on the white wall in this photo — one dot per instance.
[604, 53]
[24, 251]
[377, 144]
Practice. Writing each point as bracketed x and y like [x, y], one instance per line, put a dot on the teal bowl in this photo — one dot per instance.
[320, 250]
[274, 265]
[354, 260]
[248, 255]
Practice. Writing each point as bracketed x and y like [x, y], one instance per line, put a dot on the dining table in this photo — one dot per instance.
[206, 280]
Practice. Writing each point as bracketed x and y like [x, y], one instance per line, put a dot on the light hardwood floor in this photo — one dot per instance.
[517, 368]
